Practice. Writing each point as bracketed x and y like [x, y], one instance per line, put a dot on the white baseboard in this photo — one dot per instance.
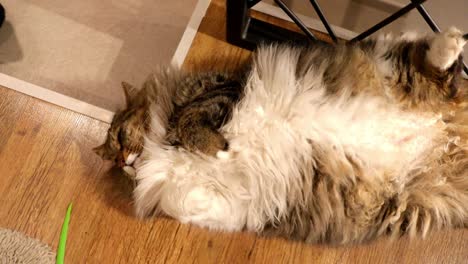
[92, 110]
[190, 32]
[56, 98]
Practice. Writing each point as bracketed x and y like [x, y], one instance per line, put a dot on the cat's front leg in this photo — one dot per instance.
[445, 48]
[133, 160]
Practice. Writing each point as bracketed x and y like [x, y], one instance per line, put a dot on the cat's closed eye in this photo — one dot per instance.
[121, 138]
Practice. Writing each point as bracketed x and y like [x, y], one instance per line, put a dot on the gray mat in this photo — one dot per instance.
[84, 49]
[15, 247]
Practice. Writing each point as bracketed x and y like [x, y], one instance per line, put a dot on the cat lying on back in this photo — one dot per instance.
[328, 143]
[201, 104]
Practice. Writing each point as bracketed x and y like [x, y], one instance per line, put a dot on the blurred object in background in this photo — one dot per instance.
[2, 14]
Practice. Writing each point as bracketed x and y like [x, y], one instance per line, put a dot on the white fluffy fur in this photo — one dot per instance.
[268, 134]
[445, 51]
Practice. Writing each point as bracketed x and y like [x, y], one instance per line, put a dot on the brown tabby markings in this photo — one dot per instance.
[125, 136]
[419, 82]
[331, 207]
[195, 125]
[202, 102]
[414, 82]
[333, 201]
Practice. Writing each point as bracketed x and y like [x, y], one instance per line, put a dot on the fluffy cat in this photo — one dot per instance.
[329, 143]
[200, 104]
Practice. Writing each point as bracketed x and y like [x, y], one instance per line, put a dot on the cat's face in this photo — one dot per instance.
[124, 142]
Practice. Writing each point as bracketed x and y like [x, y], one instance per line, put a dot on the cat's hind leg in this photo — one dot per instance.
[204, 204]
[445, 48]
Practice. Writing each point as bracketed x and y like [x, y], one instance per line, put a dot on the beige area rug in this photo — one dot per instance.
[84, 49]
[18, 248]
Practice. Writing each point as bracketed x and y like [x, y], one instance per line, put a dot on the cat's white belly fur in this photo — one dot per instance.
[270, 131]
[391, 139]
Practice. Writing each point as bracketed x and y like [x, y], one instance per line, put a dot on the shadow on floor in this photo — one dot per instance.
[118, 191]
[10, 49]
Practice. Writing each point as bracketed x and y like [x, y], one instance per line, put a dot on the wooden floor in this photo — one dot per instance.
[46, 162]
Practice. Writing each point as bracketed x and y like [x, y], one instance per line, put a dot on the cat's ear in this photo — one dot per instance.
[102, 151]
[130, 92]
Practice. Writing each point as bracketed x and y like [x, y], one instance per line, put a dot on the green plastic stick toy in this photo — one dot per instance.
[63, 237]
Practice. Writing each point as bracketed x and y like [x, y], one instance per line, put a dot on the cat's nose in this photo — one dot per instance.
[120, 162]
[226, 146]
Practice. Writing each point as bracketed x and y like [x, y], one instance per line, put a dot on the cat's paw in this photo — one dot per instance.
[224, 155]
[445, 48]
[129, 172]
[131, 158]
